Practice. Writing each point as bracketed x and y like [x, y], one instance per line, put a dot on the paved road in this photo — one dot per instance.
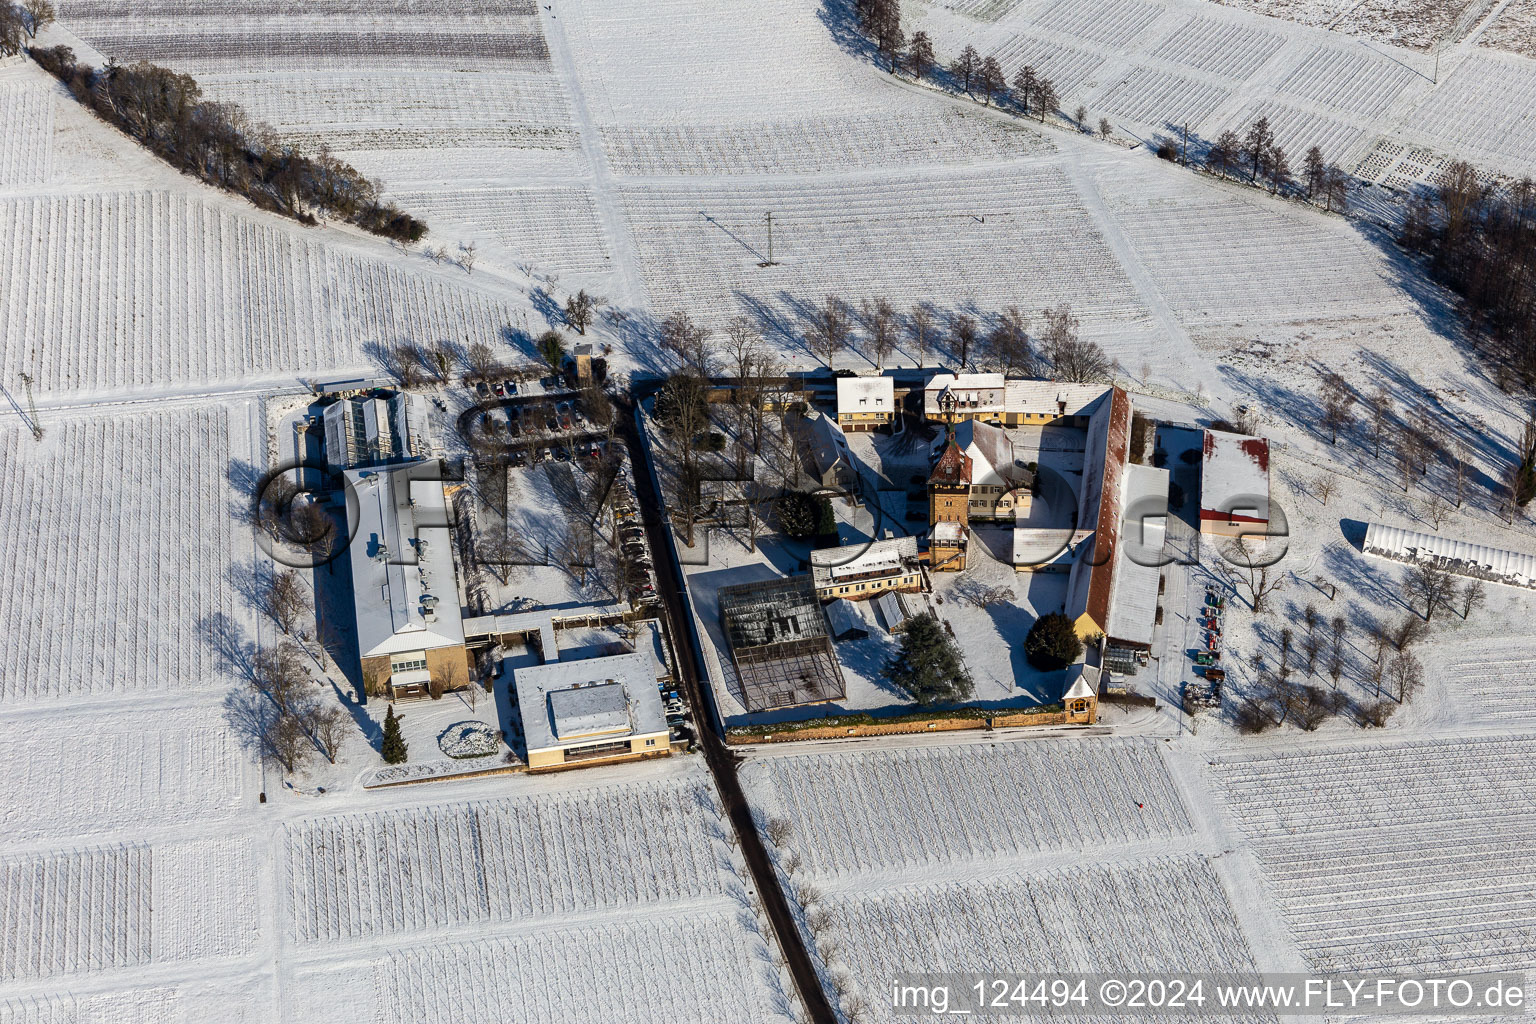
[721, 761]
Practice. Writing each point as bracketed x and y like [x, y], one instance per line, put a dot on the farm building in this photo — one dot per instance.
[780, 644]
[865, 403]
[996, 475]
[365, 431]
[1234, 485]
[861, 571]
[405, 590]
[1496, 565]
[847, 622]
[591, 711]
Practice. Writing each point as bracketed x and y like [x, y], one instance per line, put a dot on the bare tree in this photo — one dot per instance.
[962, 333]
[1473, 595]
[580, 309]
[920, 326]
[468, 252]
[1104, 128]
[1312, 172]
[1080, 115]
[1072, 357]
[991, 79]
[777, 830]
[480, 361]
[1379, 409]
[285, 599]
[1046, 99]
[1252, 574]
[1311, 642]
[1256, 145]
[1007, 345]
[744, 345]
[1430, 584]
[328, 725]
[1461, 455]
[1323, 485]
[439, 360]
[967, 66]
[829, 329]
[1406, 675]
[39, 15]
[880, 318]
[1025, 85]
[1338, 400]
[920, 54]
[278, 672]
[687, 341]
[1339, 626]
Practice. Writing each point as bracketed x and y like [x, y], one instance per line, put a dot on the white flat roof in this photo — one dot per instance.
[560, 705]
[1235, 468]
[405, 592]
[1144, 524]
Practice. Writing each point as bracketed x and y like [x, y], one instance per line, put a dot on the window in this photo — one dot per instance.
[650, 743]
[415, 661]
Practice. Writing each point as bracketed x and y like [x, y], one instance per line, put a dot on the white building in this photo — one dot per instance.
[1234, 485]
[859, 571]
[362, 431]
[591, 711]
[405, 591]
[864, 403]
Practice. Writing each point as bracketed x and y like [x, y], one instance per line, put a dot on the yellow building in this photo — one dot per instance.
[591, 711]
[865, 403]
[860, 571]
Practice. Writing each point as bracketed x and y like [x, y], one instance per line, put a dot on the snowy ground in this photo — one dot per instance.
[142, 877]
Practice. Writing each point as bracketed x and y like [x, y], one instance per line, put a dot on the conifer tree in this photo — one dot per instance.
[393, 748]
[928, 667]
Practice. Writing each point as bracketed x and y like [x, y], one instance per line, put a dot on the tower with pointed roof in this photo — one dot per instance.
[949, 496]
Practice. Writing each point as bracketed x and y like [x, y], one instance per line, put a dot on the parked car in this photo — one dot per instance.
[482, 390]
[510, 387]
[562, 454]
[496, 387]
[519, 458]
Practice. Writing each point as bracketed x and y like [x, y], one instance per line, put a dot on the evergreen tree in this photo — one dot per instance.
[928, 667]
[1052, 643]
[393, 748]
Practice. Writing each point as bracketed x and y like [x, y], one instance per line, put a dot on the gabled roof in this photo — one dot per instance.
[1048, 396]
[829, 445]
[976, 392]
[990, 450]
[1079, 689]
[1090, 587]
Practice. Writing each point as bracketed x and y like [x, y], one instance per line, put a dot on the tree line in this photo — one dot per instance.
[1479, 240]
[217, 143]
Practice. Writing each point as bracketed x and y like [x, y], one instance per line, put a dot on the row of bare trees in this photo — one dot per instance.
[216, 142]
[1257, 154]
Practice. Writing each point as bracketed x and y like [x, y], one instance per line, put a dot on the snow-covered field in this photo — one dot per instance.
[854, 814]
[634, 150]
[1408, 857]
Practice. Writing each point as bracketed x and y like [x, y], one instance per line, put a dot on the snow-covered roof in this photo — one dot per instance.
[990, 450]
[1079, 689]
[865, 394]
[570, 702]
[1049, 396]
[405, 592]
[829, 445]
[1144, 523]
[1089, 589]
[1036, 547]
[831, 566]
[947, 532]
[846, 619]
[1479, 560]
[974, 393]
[1234, 478]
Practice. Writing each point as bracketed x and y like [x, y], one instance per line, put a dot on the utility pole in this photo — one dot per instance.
[37, 428]
[1184, 150]
[770, 262]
